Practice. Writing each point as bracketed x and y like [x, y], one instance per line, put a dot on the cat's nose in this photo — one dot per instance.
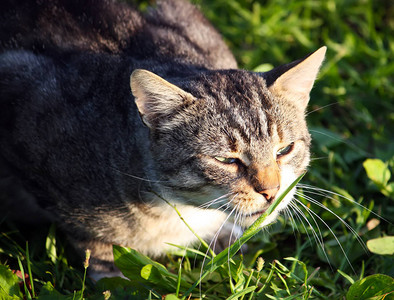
[270, 193]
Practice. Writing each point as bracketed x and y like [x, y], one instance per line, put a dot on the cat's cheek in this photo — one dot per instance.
[288, 175]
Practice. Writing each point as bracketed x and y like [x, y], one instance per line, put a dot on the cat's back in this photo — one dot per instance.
[172, 30]
[58, 120]
[65, 68]
[95, 26]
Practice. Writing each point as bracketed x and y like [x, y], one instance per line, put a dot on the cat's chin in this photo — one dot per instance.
[250, 219]
[258, 213]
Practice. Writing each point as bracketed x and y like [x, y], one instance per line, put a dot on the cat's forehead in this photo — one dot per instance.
[229, 88]
[243, 114]
[242, 99]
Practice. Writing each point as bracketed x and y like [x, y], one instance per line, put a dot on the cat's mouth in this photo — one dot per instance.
[257, 213]
[250, 217]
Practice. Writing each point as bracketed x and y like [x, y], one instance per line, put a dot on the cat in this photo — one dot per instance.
[106, 112]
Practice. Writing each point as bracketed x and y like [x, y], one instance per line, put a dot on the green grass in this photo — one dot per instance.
[351, 117]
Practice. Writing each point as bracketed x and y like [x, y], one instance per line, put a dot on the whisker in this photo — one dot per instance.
[318, 158]
[319, 108]
[212, 244]
[342, 140]
[318, 238]
[237, 215]
[314, 220]
[339, 218]
[214, 201]
[289, 216]
[297, 215]
[137, 177]
[236, 218]
[321, 192]
[328, 227]
[214, 239]
[226, 205]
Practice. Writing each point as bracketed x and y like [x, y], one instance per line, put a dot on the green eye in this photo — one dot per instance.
[226, 160]
[285, 150]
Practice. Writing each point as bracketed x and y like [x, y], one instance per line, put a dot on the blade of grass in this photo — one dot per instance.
[178, 284]
[242, 293]
[27, 293]
[269, 277]
[248, 282]
[29, 270]
[191, 250]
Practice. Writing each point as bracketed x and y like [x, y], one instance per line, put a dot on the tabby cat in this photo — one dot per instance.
[105, 112]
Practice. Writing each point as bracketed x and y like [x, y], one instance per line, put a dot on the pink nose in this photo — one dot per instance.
[270, 193]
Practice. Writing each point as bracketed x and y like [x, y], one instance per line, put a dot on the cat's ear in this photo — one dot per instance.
[155, 97]
[294, 81]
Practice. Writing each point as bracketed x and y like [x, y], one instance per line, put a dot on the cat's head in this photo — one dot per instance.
[232, 132]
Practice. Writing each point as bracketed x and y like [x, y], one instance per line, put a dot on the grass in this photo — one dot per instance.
[351, 119]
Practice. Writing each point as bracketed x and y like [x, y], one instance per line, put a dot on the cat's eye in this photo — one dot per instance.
[285, 150]
[226, 160]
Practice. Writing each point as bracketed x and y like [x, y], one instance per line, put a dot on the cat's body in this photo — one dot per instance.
[81, 148]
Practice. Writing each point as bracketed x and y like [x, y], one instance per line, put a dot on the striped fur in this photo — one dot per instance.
[97, 150]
